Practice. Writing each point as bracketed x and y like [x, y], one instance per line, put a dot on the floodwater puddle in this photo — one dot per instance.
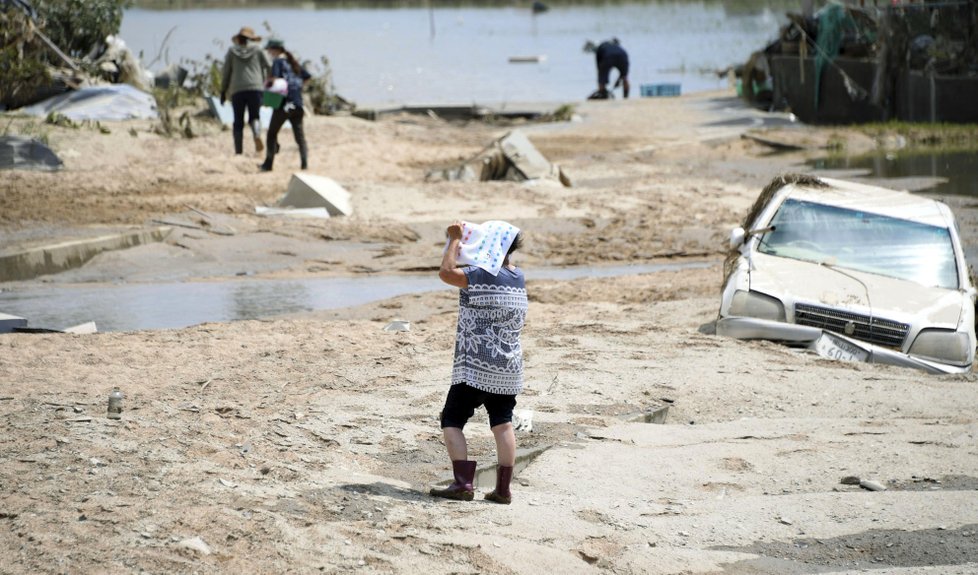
[138, 306]
[956, 171]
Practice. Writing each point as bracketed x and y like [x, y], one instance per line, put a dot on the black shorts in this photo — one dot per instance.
[462, 401]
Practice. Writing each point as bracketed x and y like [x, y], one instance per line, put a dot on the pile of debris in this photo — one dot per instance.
[60, 48]
[851, 64]
[512, 157]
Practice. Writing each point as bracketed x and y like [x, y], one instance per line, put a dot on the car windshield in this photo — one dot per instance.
[862, 241]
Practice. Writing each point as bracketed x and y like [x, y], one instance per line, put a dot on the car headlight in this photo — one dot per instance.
[942, 345]
[754, 304]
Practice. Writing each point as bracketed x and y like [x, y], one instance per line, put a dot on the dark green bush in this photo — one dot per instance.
[21, 69]
[78, 26]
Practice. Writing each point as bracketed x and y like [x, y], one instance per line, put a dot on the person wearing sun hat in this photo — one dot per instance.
[245, 68]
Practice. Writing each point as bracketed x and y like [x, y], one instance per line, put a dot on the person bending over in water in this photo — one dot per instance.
[609, 55]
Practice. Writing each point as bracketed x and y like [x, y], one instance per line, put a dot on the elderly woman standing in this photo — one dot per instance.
[488, 366]
[245, 70]
[285, 66]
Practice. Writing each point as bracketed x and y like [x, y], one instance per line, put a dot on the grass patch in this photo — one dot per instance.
[945, 137]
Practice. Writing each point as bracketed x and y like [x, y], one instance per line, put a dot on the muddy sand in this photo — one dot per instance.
[307, 443]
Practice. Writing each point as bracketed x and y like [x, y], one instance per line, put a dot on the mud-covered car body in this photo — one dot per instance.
[854, 272]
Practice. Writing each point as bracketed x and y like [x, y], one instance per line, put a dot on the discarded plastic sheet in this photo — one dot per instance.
[20, 153]
[225, 113]
[523, 421]
[196, 544]
[308, 191]
[512, 157]
[398, 325]
[293, 212]
[109, 102]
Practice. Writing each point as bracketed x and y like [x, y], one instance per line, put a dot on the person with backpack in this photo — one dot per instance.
[285, 66]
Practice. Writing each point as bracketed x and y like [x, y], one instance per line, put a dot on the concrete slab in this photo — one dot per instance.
[320, 213]
[511, 157]
[309, 191]
[86, 328]
[9, 323]
[55, 258]
[525, 156]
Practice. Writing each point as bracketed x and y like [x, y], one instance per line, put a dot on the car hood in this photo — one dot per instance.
[793, 281]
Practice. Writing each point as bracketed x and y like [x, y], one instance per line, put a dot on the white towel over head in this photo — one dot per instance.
[485, 245]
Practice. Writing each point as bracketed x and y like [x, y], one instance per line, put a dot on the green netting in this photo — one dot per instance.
[833, 23]
[836, 24]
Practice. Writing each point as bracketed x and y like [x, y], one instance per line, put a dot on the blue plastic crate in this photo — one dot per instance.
[655, 90]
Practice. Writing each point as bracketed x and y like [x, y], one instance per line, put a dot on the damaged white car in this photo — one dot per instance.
[854, 272]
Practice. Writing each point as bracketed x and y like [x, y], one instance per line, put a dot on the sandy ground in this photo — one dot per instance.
[307, 443]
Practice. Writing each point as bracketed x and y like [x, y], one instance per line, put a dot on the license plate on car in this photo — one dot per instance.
[837, 348]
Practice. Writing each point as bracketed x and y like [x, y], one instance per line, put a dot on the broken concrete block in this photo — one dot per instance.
[308, 191]
[82, 328]
[509, 158]
[9, 323]
[463, 173]
[524, 155]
